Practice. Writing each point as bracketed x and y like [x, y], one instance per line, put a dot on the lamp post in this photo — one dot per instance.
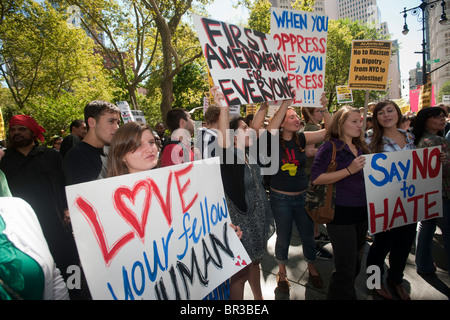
[416, 11]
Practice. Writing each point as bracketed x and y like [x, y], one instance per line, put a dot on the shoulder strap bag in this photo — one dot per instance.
[319, 202]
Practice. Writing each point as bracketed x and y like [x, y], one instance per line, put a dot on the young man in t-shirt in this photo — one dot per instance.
[87, 160]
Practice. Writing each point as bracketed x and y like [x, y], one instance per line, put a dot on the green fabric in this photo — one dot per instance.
[18, 271]
[4, 189]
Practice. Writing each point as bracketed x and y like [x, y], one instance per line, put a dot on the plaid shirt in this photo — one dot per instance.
[390, 145]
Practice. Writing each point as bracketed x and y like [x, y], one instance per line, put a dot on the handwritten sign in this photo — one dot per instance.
[243, 62]
[369, 65]
[301, 38]
[159, 234]
[403, 187]
[344, 94]
[125, 111]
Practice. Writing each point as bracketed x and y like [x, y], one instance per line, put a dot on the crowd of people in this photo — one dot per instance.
[36, 240]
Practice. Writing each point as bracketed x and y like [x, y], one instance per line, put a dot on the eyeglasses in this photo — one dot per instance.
[441, 116]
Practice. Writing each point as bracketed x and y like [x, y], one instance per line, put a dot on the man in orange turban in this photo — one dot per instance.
[34, 173]
[24, 131]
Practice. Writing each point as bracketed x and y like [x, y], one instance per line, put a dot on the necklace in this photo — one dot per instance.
[353, 149]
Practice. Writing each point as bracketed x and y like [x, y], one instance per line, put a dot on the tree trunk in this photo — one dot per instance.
[167, 96]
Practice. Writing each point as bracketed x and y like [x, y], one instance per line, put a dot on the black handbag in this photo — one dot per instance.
[319, 202]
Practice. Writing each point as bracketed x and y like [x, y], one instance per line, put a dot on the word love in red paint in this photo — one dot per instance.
[137, 224]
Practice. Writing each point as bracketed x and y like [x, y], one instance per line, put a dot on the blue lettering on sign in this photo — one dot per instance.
[209, 215]
[291, 20]
[194, 231]
[388, 176]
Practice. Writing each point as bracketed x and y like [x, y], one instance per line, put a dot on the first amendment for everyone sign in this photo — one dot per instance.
[158, 234]
[403, 187]
[369, 65]
[243, 62]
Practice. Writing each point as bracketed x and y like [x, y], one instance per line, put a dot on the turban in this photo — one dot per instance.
[30, 123]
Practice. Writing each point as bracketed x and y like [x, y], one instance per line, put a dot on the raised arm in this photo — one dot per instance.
[224, 118]
[259, 117]
[278, 118]
[313, 137]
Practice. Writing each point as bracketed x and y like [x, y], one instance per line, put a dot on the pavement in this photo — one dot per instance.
[434, 287]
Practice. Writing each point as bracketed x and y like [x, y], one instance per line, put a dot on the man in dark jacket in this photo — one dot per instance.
[34, 173]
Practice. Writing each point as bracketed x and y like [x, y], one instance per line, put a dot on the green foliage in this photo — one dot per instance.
[445, 90]
[190, 86]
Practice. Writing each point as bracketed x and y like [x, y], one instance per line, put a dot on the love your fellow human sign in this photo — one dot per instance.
[301, 39]
[403, 187]
[243, 62]
[158, 234]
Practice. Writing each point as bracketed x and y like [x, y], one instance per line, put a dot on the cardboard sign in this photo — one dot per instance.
[125, 111]
[344, 94]
[369, 65]
[243, 62]
[159, 234]
[301, 38]
[403, 187]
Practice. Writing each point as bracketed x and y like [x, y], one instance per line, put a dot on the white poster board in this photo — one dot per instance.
[159, 234]
[125, 111]
[243, 62]
[403, 187]
[301, 39]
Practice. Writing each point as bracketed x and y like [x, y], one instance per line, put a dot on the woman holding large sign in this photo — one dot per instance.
[347, 230]
[247, 200]
[387, 137]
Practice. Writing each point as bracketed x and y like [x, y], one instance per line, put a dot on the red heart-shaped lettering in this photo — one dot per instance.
[93, 219]
[128, 214]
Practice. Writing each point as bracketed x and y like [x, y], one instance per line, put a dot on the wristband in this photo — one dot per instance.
[349, 170]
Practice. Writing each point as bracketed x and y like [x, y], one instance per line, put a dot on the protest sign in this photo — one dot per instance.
[369, 65]
[243, 62]
[158, 234]
[301, 38]
[125, 111]
[425, 96]
[138, 115]
[344, 94]
[403, 187]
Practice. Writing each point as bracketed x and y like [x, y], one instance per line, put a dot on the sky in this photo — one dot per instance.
[390, 12]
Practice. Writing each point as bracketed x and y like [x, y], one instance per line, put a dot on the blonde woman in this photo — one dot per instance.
[348, 229]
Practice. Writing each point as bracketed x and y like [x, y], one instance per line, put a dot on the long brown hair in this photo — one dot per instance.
[376, 145]
[336, 129]
[295, 136]
[126, 139]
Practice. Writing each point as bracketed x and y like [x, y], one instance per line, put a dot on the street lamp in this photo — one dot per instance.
[415, 12]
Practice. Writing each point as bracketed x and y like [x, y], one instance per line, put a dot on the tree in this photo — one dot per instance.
[46, 64]
[190, 84]
[148, 32]
[445, 90]
[168, 15]
[125, 35]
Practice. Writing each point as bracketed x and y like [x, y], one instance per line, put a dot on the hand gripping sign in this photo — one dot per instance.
[158, 234]
[403, 187]
[243, 62]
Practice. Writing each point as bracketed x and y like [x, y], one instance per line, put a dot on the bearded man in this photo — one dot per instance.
[34, 173]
